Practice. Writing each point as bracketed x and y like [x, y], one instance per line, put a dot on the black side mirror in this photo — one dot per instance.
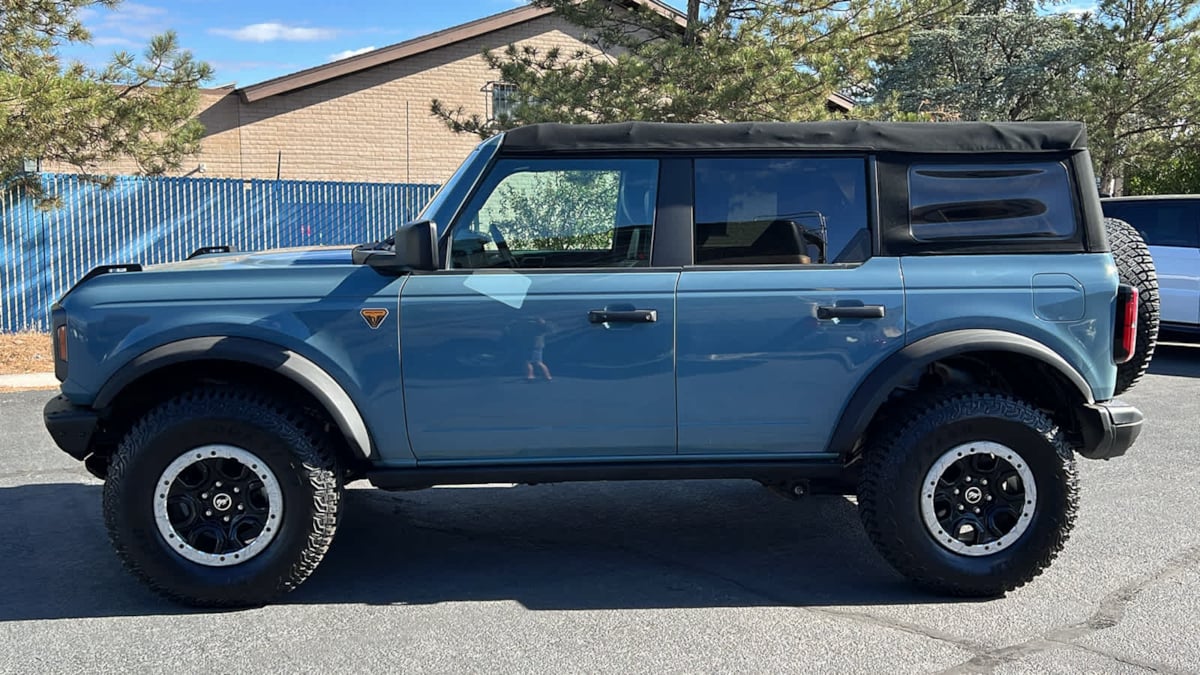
[417, 246]
[414, 248]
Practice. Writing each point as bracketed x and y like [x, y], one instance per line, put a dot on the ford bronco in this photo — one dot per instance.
[926, 316]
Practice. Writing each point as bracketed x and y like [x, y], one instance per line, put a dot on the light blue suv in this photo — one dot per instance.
[927, 316]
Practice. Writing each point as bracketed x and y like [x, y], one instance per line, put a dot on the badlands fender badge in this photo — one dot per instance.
[374, 317]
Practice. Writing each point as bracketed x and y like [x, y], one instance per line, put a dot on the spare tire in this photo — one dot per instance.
[1135, 268]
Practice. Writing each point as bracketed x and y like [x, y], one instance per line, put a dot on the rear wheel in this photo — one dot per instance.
[1136, 268]
[222, 497]
[973, 494]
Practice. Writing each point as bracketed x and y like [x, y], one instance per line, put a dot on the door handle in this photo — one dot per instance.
[851, 312]
[623, 316]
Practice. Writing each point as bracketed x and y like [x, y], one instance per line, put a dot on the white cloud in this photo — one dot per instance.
[125, 25]
[112, 41]
[273, 32]
[347, 53]
[1079, 10]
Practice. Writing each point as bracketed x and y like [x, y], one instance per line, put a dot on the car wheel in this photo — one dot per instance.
[972, 494]
[222, 497]
[1136, 268]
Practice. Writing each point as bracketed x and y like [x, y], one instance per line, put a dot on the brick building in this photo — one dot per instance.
[366, 118]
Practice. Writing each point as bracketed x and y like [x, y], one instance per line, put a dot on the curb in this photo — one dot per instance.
[29, 380]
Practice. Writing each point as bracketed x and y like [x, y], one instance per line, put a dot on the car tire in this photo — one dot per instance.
[222, 497]
[1136, 268]
[974, 443]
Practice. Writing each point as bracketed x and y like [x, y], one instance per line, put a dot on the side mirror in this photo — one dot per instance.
[414, 248]
[417, 246]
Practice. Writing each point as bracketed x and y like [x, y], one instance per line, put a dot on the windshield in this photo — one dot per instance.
[450, 196]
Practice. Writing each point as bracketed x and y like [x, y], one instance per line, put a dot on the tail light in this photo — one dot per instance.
[1125, 333]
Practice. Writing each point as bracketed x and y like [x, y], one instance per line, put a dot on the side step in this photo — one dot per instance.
[821, 466]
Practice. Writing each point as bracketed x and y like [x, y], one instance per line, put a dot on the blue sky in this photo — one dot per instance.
[247, 41]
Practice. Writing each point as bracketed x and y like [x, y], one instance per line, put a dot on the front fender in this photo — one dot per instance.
[285, 362]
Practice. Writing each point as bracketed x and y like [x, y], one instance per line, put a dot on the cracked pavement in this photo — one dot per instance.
[634, 577]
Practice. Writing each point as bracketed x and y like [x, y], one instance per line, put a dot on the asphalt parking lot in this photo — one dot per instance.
[646, 577]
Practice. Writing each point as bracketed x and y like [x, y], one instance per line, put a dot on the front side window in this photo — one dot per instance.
[781, 211]
[556, 213]
[1162, 222]
[991, 201]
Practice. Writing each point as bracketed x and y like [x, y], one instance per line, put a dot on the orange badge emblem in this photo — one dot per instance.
[374, 317]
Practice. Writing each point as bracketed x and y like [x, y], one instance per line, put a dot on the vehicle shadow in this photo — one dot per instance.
[1175, 359]
[552, 547]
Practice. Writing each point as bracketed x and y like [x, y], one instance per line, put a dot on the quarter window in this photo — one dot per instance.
[559, 213]
[781, 211]
[965, 201]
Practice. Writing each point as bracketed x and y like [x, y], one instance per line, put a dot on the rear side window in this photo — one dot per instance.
[1162, 222]
[991, 201]
[781, 211]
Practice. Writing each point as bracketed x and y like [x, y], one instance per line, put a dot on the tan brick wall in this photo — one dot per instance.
[375, 125]
[372, 126]
[354, 128]
[218, 110]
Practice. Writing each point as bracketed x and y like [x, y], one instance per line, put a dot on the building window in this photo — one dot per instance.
[501, 100]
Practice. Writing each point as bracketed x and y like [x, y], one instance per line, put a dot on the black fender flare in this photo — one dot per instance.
[900, 367]
[285, 362]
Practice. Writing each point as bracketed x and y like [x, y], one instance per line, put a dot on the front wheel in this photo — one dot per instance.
[972, 494]
[222, 497]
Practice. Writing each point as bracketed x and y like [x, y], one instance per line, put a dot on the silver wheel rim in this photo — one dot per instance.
[237, 510]
[956, 496]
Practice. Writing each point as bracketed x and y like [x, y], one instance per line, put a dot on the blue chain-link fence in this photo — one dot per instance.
[156, 220]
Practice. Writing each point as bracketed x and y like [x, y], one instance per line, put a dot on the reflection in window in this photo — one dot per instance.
[781, 211]
[560, 213]
[976, 202]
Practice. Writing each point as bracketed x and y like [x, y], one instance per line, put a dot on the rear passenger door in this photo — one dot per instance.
[785, 309]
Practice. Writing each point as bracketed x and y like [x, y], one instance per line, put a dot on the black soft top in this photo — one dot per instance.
[905, 137]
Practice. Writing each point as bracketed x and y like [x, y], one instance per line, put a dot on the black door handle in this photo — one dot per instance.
[623, 316]
[851, 312]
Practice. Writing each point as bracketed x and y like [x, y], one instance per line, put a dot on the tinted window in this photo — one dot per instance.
[991, 201]
[1162, 222]
[559, 213]
[781, 211]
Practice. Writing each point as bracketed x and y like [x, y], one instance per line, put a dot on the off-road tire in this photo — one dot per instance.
[1136, 268]
[283, 437]
[895, 465]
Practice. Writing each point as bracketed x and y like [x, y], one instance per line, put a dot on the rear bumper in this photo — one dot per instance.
[72, 427]
[1111, 429]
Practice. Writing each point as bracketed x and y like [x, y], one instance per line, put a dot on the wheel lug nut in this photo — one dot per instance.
[968, 480]
[989, 498]
[203, 495]
[236, 490]
[960, 507]
[983, 482]
[208, 513]
[955, 490]
[219, 483]
[227, 517]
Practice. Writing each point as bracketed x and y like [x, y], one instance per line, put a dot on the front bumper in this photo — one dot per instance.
[1110, 429]
[72, 427]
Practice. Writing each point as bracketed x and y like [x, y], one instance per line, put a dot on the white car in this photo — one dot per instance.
[1170, 224]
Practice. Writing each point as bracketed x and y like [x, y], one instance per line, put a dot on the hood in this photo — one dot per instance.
[283, 257]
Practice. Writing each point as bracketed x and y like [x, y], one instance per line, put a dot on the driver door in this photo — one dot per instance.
[550, 337]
